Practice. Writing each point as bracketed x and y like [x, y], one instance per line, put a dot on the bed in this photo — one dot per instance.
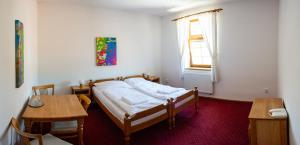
[135, 117]
[180, 98]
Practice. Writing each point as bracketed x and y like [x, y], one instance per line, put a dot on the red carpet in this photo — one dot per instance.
[218, 122]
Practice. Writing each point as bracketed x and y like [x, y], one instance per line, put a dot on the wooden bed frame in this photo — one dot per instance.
[126, 126]
[174, 110]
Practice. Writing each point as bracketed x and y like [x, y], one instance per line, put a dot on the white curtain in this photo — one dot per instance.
[183, 36]
[208, 22]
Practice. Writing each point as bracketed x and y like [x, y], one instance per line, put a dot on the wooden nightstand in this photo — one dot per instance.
[81, 90]
[153, 79]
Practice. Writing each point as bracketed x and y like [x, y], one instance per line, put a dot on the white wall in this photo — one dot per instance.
[67, 35]
[289, 66]
[248, 49]
[13, 99]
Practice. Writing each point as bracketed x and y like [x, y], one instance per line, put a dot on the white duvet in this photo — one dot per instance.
[156, 90]
[120, 113]
[126, 97]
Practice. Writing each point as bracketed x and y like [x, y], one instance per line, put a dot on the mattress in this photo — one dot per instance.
[151, 89]
[119, 113]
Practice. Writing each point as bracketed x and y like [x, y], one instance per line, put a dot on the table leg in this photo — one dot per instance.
[27, 125]
[80, 130]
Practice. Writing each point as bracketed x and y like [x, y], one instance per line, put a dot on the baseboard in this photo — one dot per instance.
[219, 98]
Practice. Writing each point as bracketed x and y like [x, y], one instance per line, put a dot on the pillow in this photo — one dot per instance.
[134, 81]
[112, 84]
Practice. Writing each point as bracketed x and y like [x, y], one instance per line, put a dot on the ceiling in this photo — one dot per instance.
[155, 7]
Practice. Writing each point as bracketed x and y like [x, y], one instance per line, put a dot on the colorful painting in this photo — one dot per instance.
[106, 51]
[19, 42]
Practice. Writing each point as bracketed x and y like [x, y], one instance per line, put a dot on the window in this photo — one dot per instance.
[198, 49]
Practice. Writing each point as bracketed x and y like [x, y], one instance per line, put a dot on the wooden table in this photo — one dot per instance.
[57, 108]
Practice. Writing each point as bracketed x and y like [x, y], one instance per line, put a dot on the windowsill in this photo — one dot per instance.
[198, 68]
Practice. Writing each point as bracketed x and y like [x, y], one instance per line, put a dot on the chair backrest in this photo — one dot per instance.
[43, 89]
[25, 137]
[85, 101]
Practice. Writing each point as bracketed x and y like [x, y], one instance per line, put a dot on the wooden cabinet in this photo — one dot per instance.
[81, 90]
[263, 129]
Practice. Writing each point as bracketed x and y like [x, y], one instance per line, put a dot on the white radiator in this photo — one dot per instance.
[202, 80]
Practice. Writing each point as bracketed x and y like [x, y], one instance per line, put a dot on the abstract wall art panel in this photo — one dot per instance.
[106, 51]
[19, 53]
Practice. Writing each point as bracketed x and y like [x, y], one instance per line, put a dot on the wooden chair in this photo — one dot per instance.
[43, 89]
[38, 139]
[85, 101]
[68, 129]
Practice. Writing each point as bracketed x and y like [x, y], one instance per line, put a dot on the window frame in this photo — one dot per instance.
[191, 38]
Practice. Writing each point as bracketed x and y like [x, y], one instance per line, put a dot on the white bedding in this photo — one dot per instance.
[155, 89]
[133, 100]
[116, 94]
[113, 102]
[112, 84]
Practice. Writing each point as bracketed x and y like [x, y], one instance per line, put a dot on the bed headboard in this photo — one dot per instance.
[91, 83]
[135, 76]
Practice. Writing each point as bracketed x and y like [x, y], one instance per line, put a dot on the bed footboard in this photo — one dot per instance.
[155, 115]
[131, 124]
[182, 106]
